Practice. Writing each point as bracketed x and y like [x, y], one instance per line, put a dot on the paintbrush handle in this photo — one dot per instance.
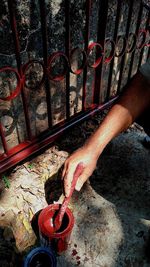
[60, 215]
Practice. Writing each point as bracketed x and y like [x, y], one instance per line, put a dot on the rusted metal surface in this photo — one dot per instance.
[97, 62]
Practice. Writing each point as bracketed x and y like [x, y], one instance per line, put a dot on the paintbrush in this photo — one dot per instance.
[59, 217]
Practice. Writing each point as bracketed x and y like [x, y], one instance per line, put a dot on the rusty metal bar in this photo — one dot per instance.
[88, 10]
[127, 34]
[114, 38]
[45, 57]
[18, 59]
[67, 45]
[137, 29]
[103, 10]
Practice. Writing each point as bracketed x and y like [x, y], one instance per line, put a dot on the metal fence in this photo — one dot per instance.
[71, 74]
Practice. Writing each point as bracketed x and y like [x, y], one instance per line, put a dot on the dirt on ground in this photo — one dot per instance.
[111, 212]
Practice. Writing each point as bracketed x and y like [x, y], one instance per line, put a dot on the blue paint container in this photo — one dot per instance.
[41, 257]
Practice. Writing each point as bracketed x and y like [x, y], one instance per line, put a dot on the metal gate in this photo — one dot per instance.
[62, 61]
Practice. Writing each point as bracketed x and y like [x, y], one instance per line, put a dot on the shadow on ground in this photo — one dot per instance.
[123, 178]
[113, 219]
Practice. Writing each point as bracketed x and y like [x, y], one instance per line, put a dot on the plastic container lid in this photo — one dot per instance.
[40, 257]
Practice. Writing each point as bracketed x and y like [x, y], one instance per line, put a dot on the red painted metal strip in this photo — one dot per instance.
[127, 34]
[18, 59]
[114, 38]
[42, 142]
[11, 7]
[103, 12]
[145, 35]
[45, 57]
[67, 48]
[136, 32]
[99, 54]
[87, 29]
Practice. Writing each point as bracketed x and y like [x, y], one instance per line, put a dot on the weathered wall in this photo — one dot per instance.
[31, 47]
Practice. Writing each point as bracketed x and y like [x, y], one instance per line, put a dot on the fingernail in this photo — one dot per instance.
[66, 194]
[78, 186]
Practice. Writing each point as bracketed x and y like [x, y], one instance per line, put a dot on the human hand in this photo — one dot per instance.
[88, 159]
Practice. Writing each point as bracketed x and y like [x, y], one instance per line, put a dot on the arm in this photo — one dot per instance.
[130, 105]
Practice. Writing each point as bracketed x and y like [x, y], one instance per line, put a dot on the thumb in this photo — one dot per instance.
[81, 180]
[68, 179]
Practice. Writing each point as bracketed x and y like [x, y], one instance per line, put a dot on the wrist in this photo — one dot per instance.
[93, 147]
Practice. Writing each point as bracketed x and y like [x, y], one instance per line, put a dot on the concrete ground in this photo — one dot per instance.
[113, 213]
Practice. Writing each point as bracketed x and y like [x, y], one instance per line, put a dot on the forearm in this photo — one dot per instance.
[130, 105]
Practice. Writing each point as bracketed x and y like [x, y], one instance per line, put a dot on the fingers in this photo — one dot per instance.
[81, 180]
[79, 169]
[68, 178]
[81, 173]
[64, 169]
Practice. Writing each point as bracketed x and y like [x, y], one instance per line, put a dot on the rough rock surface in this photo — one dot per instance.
[27, 193]
[111, 212]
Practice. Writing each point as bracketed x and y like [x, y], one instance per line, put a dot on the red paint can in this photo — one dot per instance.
[59, 240]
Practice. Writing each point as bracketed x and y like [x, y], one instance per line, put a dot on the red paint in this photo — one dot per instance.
[25, 149]
[142, 43]
[76, 198]
[74, 252]
[20, 152]
[58, 219]
[78, 258]
[99, 57]
[78, 262]
[60, 239]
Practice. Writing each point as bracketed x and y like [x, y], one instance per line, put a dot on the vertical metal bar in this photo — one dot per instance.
[148, 53]
[15, 34]
[18, 59]
[127, 33]
[4, 143]
[136, 32]
[67, 46]
[103, 10]
[87, 31]
[142, 50]
[42, 6]
[114, 38]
